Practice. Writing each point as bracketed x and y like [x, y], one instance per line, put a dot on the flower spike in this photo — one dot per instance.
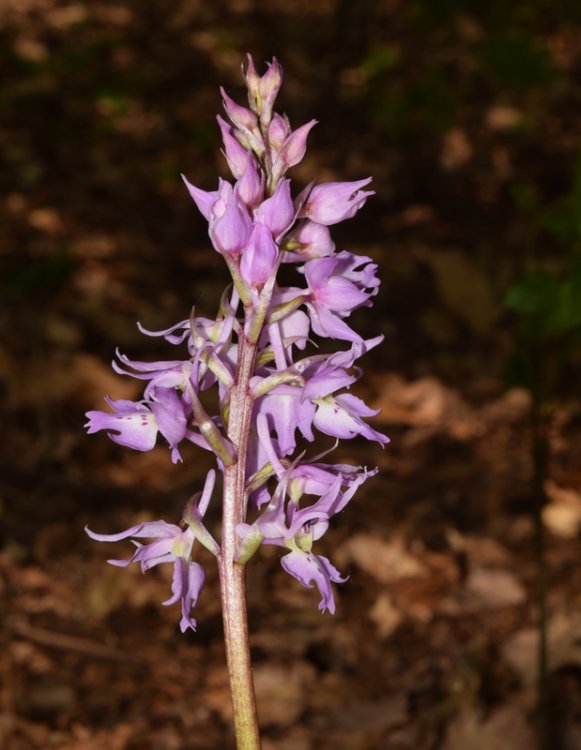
[252, 386]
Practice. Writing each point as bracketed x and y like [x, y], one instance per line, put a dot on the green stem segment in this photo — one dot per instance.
[232, 574]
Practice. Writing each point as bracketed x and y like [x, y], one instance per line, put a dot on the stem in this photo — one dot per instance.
[233, 575]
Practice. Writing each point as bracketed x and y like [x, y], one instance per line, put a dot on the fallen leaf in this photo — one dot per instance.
[384, 560]
[562, 515]
[485, 588]
[295, 738]
[503, 117]
[281, 692]
[457, 149]
[482, 551]
[506, 729]
[373, 716]
[564, 647]
[386, 616]
[424, 403]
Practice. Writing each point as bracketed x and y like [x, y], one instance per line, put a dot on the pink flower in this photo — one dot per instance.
[333, 202]
[171, 544]
[278, 211]
[230, 224]
[259, 257]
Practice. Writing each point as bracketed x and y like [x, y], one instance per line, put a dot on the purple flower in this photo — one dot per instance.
[278, 131]
[271, 81]
[250, 186]
[259, 257]
[333, 202]
[230, 224]
[133, 423]
[202, 198]
[304, 478]
[136, 425]
[262, 90]
[292, 150]
[308, 568]
[341, 416]
[317, 479]
[290, 407]
[307, 241]
[236, 155]
[336, 289]
[171, 544]
[278, 211]
[330, 289]
[281, 336]
[283, 524]
[242, 117]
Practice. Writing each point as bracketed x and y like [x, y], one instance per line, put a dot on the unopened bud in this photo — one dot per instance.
[202, 198]
[295, 146]
[278, 131]
[309, 240]
[250, 187]
[259, 257]
[271, 81]
[292, 150]
[252, 80]
[241, 116]
[262, 90]
[278, 211]
[235, 154]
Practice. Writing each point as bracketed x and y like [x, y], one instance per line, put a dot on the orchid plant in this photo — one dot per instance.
[271, 381]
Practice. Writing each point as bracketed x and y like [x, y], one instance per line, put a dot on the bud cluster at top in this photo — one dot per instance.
[256, 222]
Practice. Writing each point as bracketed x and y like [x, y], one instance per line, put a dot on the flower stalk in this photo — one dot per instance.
[232, 573]
[271, 381]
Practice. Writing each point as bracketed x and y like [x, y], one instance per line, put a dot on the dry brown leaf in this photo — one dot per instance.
[482, 551]
[457, 149]
[386, 616]
[511, 407]
[296, 738]
[486, 588]
[384, 560]
[506, 729]
[114, 738]
[562, 515]
[564, 647]
[282, 692]
[503, 117]
[373, 716]
[424, 403]
[46, 220]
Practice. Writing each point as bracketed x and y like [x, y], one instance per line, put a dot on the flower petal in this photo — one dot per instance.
[307, 567]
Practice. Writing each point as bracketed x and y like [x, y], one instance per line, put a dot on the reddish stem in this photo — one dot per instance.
[233, 575]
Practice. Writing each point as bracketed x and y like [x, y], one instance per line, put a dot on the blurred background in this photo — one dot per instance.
[463, 554]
